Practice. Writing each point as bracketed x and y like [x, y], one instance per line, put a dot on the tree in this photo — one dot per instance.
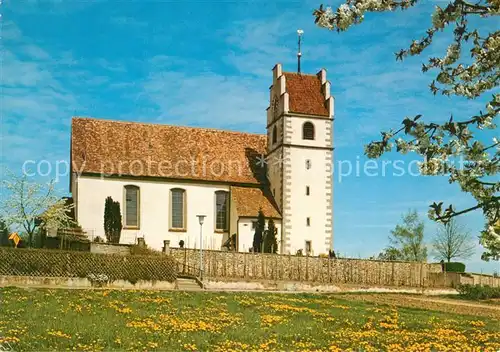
[112, 220]
[259, 232]
[471, 76]
[391, 253]
[4, 234]
[31, 204]
[453, 241]
[407, 239]
[270, 240]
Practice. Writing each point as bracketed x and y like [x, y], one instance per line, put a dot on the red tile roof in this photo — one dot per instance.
[305, 94]
[248, 201]
[140, 149]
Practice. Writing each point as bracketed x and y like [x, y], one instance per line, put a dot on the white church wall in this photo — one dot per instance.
[154, 211]
[274, 175]
[313, 206]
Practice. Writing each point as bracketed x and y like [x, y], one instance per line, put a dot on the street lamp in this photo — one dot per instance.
[201, 219]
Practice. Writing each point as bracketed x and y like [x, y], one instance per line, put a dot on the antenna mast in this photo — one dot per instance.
[299, 53]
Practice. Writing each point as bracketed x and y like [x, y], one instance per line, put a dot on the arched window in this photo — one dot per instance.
[275, 135]
[132, 206]
[221, 209]
[177, 209]
[308, 131]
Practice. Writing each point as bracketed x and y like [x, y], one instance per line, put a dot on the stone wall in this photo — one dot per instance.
[251, 266]
[105, 248]
[479, 279]
[455, 279]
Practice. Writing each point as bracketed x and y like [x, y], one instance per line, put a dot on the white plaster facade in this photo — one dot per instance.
[89, 194]
[154, 211]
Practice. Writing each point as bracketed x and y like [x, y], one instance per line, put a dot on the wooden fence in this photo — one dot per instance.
[253, 266]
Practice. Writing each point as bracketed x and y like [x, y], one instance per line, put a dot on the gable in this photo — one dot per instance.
[154, 150]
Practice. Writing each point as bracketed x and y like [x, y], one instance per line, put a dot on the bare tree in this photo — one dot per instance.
[453, 240]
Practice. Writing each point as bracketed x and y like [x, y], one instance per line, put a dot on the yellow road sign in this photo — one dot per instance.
[15, 237]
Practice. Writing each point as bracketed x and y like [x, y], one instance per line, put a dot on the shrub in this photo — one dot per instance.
[476, 292]
[454, 267]
[137, 249]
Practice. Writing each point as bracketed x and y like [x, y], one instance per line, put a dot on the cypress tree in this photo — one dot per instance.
[270, 240]
[108, 218]
[116, 222]
[259, 232]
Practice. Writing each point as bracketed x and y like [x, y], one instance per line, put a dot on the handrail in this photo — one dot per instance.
[193, 273]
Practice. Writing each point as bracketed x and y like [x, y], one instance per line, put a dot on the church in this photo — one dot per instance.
[165, 176]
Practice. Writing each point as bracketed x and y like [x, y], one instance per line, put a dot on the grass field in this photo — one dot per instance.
[41, 320]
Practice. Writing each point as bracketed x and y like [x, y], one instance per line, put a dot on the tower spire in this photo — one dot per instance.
[299, 53]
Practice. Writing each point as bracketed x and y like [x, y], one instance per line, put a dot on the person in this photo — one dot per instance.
[331, 254]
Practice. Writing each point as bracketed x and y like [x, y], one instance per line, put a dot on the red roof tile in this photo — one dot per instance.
[140, 149]
[305, 94]
[248, 201]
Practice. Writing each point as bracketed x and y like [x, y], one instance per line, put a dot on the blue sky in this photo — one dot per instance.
[208, 63]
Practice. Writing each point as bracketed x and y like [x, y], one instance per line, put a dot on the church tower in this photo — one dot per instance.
[300, 159]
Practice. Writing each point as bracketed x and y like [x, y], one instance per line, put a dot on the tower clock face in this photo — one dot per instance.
[276, 103]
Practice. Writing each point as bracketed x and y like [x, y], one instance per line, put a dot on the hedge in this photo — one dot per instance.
[478, 291]
[454, 267]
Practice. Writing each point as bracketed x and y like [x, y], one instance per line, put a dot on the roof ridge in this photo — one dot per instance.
[208, 129]
[302, 74]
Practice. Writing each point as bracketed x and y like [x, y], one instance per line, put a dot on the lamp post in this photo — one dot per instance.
[201, 219]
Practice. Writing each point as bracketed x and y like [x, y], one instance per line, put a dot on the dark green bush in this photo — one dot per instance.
[137, 249]
[478, 292]
[454, 267]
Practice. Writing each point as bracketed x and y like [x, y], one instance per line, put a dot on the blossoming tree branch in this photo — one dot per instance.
[456, 75]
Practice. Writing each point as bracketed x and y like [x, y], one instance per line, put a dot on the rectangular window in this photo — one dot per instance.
[307, 190]
[221, 199]
[308, 221]
[177, 214]
[308, 247]
[131, 206]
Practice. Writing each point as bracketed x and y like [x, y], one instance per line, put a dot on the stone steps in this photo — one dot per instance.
[184, 284]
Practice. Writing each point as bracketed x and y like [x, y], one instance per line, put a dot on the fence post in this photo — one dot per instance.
[276, 266]
[329, 269]
[234, 265]
[184, 263]
[244, 265]
[263, 266]
[392, 275]
[307, 267]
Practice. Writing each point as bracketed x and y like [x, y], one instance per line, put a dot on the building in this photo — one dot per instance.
[164, 176]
